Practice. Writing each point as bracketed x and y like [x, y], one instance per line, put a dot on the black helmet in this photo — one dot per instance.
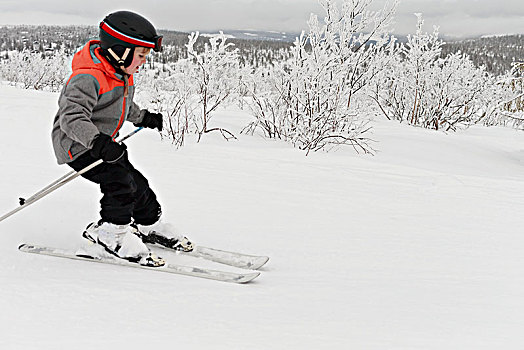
[122, 31]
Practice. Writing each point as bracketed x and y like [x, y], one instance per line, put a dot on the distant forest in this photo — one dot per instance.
[496, 53]
[48, 39]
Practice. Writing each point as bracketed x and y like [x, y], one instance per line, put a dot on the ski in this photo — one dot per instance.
[193, 271]
[240, 260]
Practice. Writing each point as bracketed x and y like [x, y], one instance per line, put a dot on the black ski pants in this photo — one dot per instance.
[126, 192]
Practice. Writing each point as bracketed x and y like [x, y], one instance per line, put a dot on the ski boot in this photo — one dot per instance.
[165, 235]
[123, 242]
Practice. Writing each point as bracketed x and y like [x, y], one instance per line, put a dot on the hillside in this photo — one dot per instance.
[418, 247]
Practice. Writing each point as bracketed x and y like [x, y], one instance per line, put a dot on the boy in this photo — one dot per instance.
[94, 103]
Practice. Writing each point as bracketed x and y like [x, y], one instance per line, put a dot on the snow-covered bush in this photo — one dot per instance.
[214, 74]
[266, 103]
[34, 70]
[507, 99]
[426, 91]
[190, 90]
[316, 100]
[169, 91]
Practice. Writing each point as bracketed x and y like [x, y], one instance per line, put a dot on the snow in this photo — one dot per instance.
[210, 35]
[417, 247]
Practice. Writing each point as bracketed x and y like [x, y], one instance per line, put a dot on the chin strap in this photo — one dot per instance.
[120, 61]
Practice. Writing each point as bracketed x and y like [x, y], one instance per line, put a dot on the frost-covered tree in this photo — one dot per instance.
[316, 99]
[425, 90]
[168, 90]
[266, 100]
[215, 74]
[508, 96]
[37, 71]
[190, 90]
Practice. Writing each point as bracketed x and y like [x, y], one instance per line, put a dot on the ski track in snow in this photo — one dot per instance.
[417, 247]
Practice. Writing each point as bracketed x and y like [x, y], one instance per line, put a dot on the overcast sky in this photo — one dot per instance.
[459, 18]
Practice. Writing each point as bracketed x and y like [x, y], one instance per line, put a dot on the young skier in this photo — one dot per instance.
[93, 105]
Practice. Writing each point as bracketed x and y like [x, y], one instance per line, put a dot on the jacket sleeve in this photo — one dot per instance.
[136, 115]
[76, 105]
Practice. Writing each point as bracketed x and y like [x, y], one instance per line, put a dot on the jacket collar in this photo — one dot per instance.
[90, 57]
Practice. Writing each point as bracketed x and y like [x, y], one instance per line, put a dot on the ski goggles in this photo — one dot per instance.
[158, 43]
[155, 44]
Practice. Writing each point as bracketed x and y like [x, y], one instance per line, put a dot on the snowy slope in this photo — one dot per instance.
[417, 247]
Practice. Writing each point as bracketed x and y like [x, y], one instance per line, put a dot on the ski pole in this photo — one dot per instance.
[72, 172]
[60, 182]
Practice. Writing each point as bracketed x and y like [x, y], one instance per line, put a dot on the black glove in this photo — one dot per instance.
[151, 120]
[108, 150]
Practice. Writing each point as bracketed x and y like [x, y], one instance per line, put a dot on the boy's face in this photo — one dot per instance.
[139, 58]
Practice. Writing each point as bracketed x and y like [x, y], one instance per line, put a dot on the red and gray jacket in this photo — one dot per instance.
[96, 99]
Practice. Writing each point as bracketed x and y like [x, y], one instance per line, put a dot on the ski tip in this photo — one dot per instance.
[22, 246]
[246, 278]
[259, 263]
